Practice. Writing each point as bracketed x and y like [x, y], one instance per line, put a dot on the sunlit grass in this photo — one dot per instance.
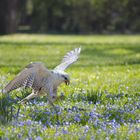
[64, 39]
[104, 96]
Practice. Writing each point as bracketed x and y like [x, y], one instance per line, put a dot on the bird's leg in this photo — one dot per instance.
[50, 102]
[49, 98]
[32, 95]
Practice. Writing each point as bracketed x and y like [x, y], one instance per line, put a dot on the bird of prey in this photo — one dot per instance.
[41, 80]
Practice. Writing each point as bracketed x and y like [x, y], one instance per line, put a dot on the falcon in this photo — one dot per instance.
[42, 81]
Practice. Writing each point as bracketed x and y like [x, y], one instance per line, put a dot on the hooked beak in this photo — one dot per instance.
[67, 82]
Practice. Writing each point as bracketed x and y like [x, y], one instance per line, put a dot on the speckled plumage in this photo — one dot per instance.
[41, 80]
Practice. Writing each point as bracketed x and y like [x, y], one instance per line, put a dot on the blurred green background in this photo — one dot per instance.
[70, 16]
[105, 82]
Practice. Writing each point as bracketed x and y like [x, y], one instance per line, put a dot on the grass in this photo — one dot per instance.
[102, 102]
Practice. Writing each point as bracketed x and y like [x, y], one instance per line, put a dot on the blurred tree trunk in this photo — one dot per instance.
[8, 16]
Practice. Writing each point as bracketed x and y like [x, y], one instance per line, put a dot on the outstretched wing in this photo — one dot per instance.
[68, 59]
[28, 77]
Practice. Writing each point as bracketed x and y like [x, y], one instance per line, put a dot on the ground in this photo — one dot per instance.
[102, 101]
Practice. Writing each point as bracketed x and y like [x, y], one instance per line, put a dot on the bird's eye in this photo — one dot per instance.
[65, 78]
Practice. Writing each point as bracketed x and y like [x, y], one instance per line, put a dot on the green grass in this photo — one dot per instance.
[102, 102]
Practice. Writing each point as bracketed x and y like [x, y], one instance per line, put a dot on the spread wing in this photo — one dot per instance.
[29, 77]
[68, 59]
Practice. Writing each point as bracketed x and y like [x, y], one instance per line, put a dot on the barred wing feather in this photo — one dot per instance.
[68, 59]
[27, 78]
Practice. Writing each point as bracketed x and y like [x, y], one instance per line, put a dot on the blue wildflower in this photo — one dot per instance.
[91, 114]
[56, 134]
[21, 123]
[64, 131]
[77, 118]
[38, 138]
[74, 108]
[41, 104]
[47, 112]
[90, 102]
[19, 136]
[28, 122]
[86, 129]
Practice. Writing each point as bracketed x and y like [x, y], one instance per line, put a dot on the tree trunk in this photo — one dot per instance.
[8, 16]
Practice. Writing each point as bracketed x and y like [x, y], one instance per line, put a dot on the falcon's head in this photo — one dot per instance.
[68, 59]
[66, 79]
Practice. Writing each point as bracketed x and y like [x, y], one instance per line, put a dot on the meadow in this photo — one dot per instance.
[101, 103]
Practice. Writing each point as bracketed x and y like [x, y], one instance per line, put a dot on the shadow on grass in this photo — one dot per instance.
[76, 43]
[92, 53]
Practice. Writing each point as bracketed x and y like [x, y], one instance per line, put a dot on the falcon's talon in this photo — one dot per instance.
[37, 77]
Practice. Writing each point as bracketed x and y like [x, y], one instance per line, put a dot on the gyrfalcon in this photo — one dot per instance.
[41, 80]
